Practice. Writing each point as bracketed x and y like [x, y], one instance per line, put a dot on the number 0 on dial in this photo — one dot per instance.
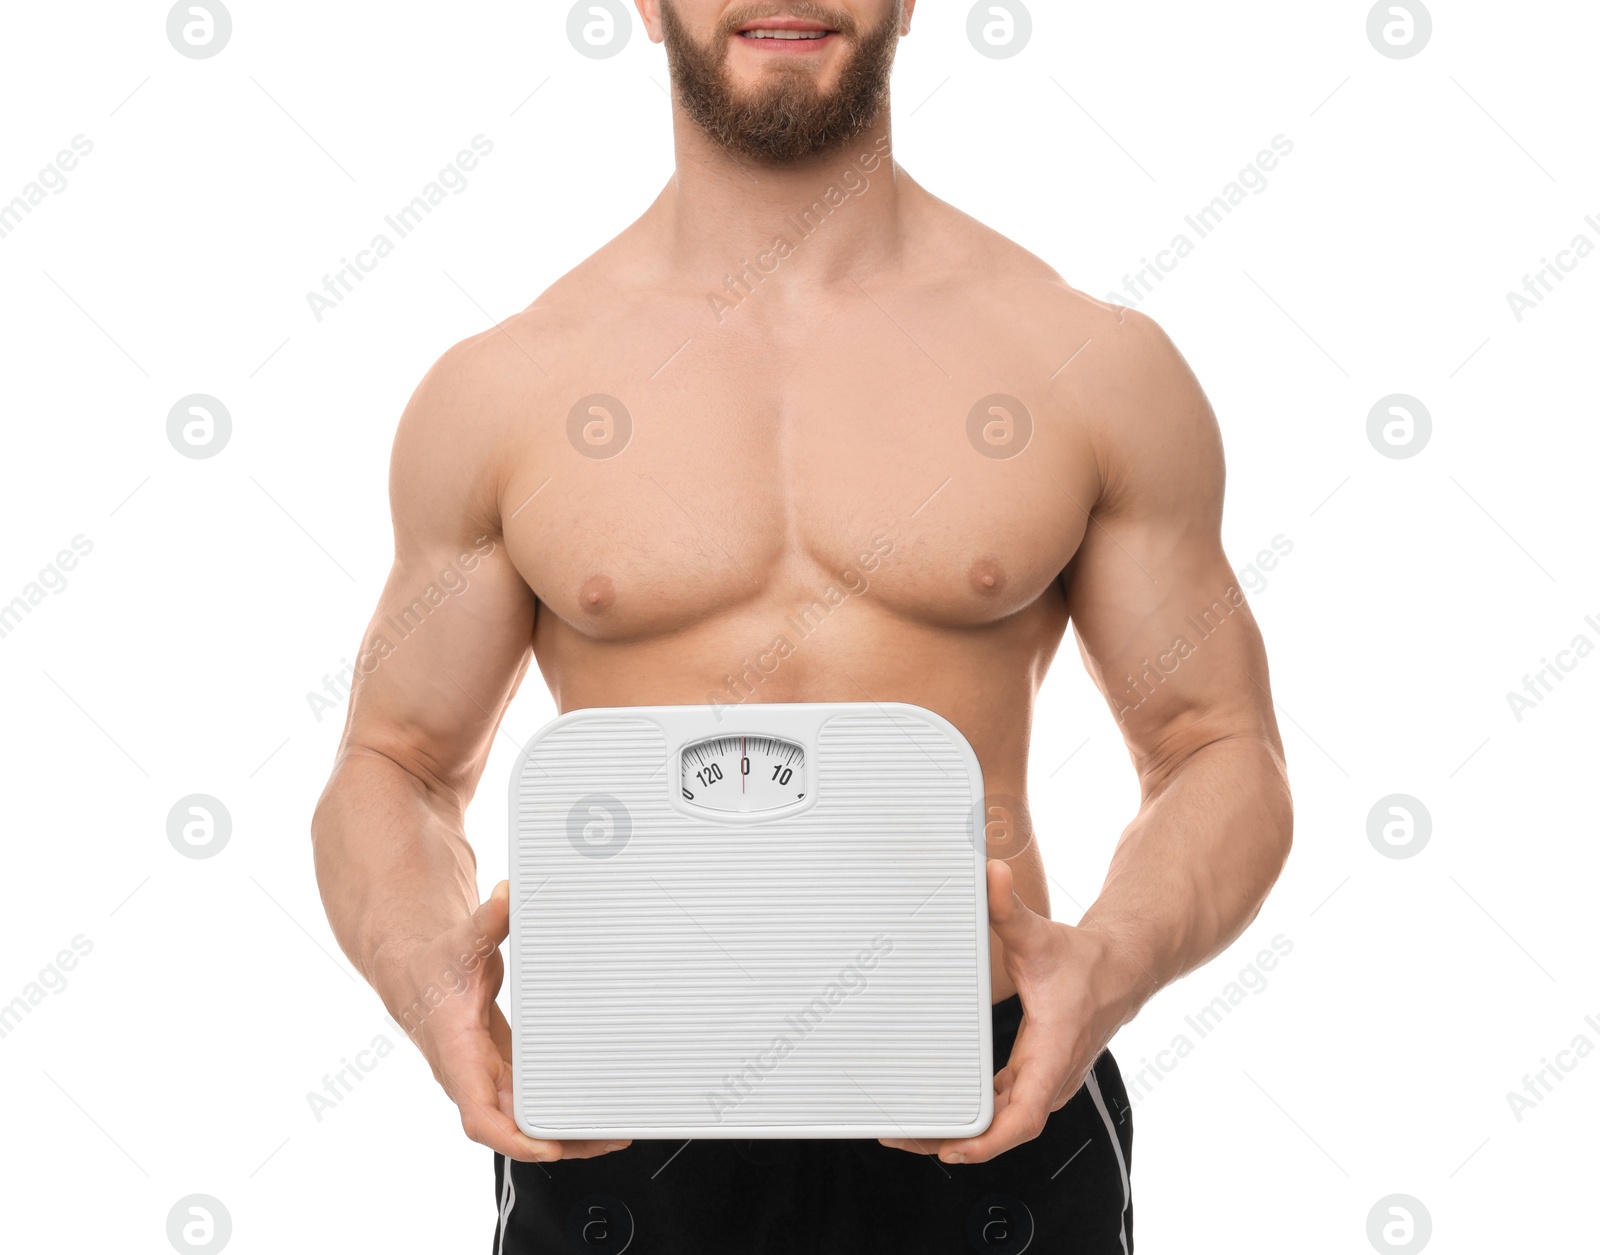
[743, 773]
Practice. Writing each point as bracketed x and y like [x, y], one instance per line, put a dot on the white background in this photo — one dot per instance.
[219, 592]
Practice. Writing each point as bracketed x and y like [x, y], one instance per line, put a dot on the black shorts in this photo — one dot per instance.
[1067, 1190]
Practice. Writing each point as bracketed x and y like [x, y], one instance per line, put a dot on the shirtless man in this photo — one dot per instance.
[799, 372]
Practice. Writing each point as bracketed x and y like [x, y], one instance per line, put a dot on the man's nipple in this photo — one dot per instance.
[986, 576]
[597, 595]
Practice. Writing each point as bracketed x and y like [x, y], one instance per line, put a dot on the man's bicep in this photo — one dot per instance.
[1160, 619]
[451, 635]
[443, 655]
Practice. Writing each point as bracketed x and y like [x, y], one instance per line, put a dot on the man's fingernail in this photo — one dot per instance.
[955, 1158]
[610, 1146]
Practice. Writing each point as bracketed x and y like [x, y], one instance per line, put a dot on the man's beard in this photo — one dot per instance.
[788, 118]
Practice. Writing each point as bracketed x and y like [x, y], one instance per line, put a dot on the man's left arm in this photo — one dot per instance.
[1164, 630]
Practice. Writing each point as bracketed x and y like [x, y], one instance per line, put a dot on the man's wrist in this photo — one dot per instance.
[1122, 979]
[390, 962]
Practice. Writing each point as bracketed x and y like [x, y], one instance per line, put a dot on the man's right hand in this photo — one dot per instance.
[442, 993]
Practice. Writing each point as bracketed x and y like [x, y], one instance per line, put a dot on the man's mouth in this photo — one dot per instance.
[785, 32]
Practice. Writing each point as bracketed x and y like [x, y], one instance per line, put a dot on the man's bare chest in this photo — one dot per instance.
[659, 500]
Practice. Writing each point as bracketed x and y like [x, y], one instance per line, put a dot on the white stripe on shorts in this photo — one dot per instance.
[508, 1199]
[1093, 1087]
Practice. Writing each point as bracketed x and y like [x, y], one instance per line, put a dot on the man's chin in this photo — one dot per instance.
[780, 111]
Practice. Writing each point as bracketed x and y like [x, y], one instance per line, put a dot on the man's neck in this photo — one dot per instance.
[795, 228]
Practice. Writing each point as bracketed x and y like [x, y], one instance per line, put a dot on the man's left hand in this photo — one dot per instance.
[1076, 994]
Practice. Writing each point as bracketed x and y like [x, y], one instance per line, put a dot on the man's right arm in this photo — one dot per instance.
[446, 649]
[443, 654]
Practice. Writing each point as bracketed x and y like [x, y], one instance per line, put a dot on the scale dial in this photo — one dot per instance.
[743, 773]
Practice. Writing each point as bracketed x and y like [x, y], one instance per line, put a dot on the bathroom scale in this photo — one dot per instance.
[764, 921]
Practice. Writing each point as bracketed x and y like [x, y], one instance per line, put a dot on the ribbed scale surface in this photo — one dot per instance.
[655, 985]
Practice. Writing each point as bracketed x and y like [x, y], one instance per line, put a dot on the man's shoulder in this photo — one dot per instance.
[512, 356]
[471, 412]
[1113, 370]
[1127, 386]
[495, 378]
[525, 354]
[480, 408]
[1003, 283]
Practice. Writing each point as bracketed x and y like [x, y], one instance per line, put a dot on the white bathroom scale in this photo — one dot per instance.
[764, 921]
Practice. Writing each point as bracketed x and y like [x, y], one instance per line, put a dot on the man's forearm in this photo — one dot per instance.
[392, 859]
[1193, 868]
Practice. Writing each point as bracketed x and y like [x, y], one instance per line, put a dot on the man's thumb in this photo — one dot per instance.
[492, 919]
[1016, 924]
